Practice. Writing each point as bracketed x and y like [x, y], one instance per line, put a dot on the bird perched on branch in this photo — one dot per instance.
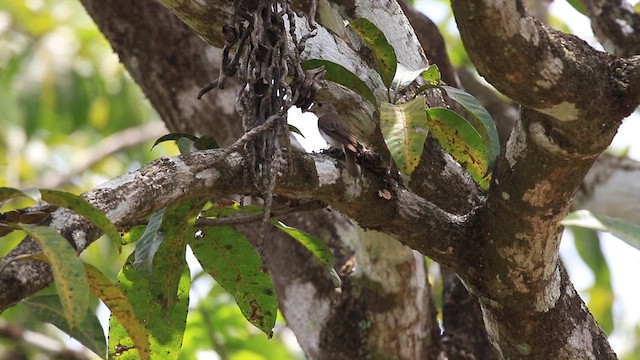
[335, 131]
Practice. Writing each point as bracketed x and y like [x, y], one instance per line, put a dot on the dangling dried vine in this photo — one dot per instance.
[264, 61]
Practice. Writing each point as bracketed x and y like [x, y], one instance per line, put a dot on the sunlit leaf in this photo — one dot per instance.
[404, 129]
[432, 75]
[383, 52]
[68, 272]
[121, 308]
[462, 141]
[231, 260]
[627, 232]
[340, 75]
[48, 308]
[314, 244]
[165, 328]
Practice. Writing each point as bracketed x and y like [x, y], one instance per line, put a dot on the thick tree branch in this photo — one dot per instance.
[546, 158]
[616, 25]
[162, 182]
[552, 72]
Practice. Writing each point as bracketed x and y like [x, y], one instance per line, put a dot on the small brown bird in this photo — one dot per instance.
[335, 131]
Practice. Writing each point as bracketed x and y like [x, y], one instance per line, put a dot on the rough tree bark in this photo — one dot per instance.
[502, 245]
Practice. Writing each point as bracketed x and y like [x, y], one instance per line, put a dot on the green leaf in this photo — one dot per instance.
[383, 52]
[174, 137]
[314, 244]
[68, 272]
[432, 75]
[82, 207]
[206, 142]
[121, 308]
[229, 208]
[185, 145]
[165, 328]
[462, 141]
[169, 260]
[72, 202]
[404, 129]
[134, 234]
[48, 308]
[482, 122]
[149, 242]
[600, 293]
[340, 75]
[231, 260]
[627, 232]
[579, 5]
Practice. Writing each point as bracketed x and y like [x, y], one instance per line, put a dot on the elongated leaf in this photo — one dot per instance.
[404, 129]
[600, 293]
[148, 244]
[68, 272]
[165, 328]
[627, 232]
[229, 257]
[121, 308]
[48, 308]
[174, 137]
[462, 141]
[314, 244]
[72, 202]
[169, 260]
[82, 207]
[383, 52]
[482, 121]
[340, 75]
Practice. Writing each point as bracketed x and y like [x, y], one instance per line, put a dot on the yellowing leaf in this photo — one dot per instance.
[68, 272]
[404, 129]
[121, 308]
[231, 260]
[462, 141]
[383, 52]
